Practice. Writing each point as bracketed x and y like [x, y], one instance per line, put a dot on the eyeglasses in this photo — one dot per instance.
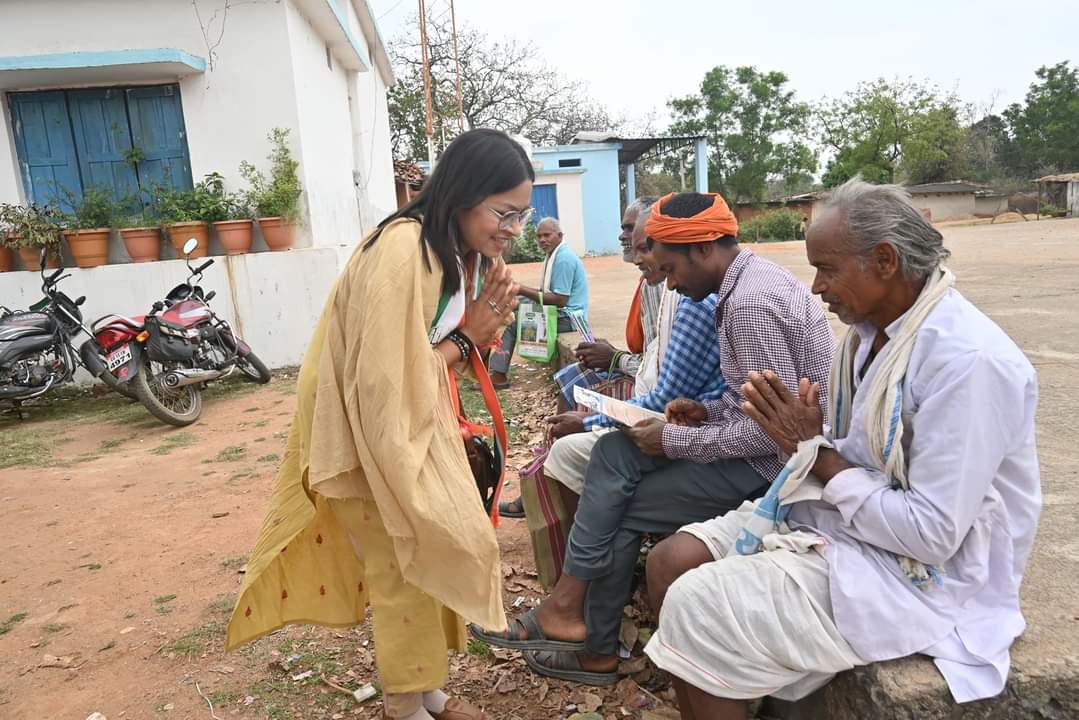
[507, 220]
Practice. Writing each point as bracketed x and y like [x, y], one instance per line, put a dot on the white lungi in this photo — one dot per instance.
[567, 460]
[746, 626]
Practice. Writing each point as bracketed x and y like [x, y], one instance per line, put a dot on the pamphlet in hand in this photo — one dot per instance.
[617, 410]
[581, 326]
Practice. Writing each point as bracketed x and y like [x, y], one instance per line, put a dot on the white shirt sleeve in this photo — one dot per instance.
[971, 414]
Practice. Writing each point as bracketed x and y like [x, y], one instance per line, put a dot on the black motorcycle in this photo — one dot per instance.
[37, 350]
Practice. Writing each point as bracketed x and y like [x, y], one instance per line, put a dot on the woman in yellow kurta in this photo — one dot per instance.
[375, 502]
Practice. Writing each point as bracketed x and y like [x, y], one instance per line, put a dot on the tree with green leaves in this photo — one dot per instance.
[891, 131]
[753, 124]
[504, 85]
[1045, 129]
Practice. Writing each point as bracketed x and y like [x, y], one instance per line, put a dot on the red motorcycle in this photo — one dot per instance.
[165, 357]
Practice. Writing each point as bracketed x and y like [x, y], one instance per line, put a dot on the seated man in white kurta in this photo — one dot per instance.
[921, 505]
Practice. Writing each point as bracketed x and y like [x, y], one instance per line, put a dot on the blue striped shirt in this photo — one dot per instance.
[690, 367]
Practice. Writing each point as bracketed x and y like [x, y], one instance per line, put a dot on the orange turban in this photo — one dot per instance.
[705, 226]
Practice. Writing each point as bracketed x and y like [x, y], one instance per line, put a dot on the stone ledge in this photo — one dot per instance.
[912, 689]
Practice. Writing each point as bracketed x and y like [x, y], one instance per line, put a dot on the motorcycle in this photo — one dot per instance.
[166, 356]
[37, 350]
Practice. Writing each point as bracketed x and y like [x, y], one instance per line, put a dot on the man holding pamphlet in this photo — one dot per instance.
[659, 475]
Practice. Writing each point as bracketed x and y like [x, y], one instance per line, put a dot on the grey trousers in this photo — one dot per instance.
[627, 494]
[500, 359]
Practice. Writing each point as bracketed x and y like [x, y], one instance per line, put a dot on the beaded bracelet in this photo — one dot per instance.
[463, 343]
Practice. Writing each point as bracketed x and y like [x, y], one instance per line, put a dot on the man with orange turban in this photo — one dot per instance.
[702, 461]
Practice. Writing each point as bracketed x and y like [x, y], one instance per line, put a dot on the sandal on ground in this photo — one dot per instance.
[563, 665]
[512, 508]
[536, 640]
[456, 709]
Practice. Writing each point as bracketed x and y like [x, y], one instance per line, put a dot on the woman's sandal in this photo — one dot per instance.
[536, 640]
[512, 508]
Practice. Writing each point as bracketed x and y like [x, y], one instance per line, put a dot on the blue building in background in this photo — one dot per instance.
[580, 184]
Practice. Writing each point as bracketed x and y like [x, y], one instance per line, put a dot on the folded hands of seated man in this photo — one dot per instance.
[786, 418]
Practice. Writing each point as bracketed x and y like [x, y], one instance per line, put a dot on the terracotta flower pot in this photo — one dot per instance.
[235, 236]
[31, 259]
[89, 247]
[7, 259]
[179, 233]
[280, 234]
[143, 244]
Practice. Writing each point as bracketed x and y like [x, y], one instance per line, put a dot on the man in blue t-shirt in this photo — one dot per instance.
[564, 285]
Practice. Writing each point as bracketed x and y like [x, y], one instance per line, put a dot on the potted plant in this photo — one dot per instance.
[89, 225]
[188, 213]
[276, 201]
[234, 231]
[141, 236]
[7, 246]
[32, 228]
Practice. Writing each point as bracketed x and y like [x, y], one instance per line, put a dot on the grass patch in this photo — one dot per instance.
[260, 439]
[479, 649]
[164, 609]
[239, 476]
[107, 646]
[12, 621]
[173, 441]
[231, 454]
[20, 449]
[196, 641]
[65, 608]
[234, 562]
[281, 435]
[52, 523]
[55, 627]
[92, 567]
[251, 409]
[162, 599]
[53, 582]
[112, 444]
[476, 410]
[222, 605]
[273, 457]
[224, 697]
[261, 424]
[128, 615]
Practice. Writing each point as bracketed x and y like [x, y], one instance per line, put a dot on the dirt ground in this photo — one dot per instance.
[126, 539]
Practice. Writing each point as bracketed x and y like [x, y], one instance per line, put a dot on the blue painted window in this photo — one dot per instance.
[545, 201]
[76, 139]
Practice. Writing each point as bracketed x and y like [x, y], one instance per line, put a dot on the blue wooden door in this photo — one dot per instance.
[157, 129]
[46, 149]
[545, 201]
[102, 137]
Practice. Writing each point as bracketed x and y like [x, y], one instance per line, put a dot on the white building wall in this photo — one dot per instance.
[946, 206]
[325, 135]
[570, 206]
[258, 293]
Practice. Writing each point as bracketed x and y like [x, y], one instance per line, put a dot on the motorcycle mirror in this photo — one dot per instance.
[81, 300]
[44, 258]
[190, 245]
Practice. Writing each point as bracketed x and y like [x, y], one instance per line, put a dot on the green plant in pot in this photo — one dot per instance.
[187, 214]
[234, 232]
[32, 228]
[141, 234]
[7, 245]
[89, 225]
[276, 200]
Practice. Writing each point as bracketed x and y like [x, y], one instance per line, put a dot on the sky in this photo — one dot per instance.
[634, 55]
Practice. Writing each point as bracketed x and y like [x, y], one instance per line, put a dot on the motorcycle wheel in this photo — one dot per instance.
[252, 367]
[181, 406]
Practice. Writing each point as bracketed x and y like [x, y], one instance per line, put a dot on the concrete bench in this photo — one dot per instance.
[1039, 687]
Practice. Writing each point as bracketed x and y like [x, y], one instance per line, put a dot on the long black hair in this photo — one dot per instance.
[477, 164]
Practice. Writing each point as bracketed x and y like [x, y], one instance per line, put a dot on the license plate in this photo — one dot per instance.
[118, 358]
